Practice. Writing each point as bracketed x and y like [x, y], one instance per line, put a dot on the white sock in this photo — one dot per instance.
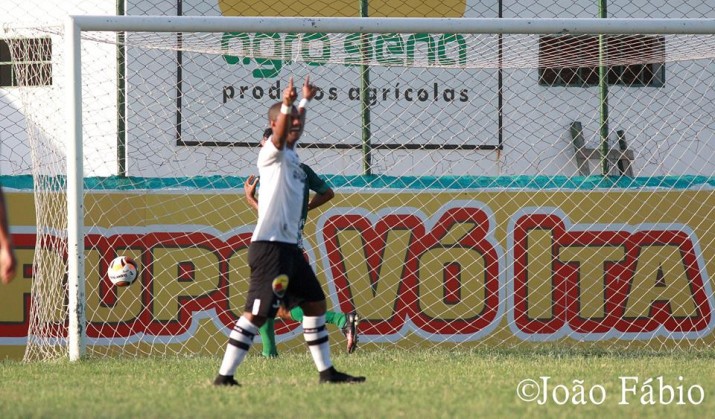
[316, 336]
[239, 342]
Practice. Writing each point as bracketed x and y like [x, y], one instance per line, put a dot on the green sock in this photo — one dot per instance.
[297, 314]
[268, 338]
[331, 317]
[336, 318]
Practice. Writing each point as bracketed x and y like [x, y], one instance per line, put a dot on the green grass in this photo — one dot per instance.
[430, 383]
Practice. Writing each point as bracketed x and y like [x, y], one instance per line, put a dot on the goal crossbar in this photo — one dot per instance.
[574, 26]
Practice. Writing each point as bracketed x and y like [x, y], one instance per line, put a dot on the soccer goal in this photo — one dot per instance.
[498, 182]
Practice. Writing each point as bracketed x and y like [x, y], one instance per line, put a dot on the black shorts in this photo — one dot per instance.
[280, 275]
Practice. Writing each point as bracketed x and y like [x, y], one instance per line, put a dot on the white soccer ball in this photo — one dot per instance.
[122, 271]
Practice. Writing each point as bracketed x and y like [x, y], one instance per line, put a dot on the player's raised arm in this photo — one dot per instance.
[281, 118]
[309, 92]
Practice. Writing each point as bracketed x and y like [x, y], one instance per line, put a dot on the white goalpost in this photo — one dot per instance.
[76, 333]
[463, 215]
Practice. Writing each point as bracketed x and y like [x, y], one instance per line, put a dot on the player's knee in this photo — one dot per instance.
[257, 321]
[284, 314]
[314, 308]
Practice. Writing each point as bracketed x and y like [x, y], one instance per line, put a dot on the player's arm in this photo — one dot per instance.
[320, 199]
[8, 262]
[309, 92]
[249, 188]
[323, 192]
[283, 118]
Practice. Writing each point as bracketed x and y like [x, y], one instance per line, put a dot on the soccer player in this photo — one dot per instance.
[279, 272]
[347, 323]
[8, 262]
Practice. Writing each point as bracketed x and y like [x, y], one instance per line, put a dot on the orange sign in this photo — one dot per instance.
[325, 8]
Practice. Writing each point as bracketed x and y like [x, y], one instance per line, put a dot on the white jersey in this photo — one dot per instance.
[282, 189]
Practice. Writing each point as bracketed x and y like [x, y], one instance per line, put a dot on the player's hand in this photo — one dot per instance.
[249, 186]
[8, 264]
[289, 94]
[309, 90]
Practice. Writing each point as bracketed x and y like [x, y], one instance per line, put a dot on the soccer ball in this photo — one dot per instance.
[122, 271]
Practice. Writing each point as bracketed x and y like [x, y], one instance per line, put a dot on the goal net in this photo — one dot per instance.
[501, 188]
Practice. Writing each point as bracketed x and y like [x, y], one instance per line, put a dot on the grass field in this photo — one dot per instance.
[431, 383]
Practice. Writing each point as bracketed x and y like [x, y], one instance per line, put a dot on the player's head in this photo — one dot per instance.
[295, 127]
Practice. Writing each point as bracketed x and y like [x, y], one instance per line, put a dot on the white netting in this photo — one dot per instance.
[470, 204]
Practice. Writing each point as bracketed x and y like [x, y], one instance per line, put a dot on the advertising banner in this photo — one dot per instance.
[494, 267]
